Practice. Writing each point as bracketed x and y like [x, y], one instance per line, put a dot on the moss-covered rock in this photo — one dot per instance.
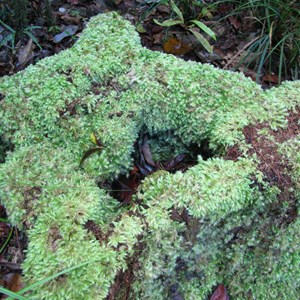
[231, 219]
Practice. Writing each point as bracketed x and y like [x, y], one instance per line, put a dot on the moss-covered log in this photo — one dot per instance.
[231, 219]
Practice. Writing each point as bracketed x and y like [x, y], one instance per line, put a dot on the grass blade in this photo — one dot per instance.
[263, 56]
[7, 27]
[43, 281]
[7, 240]
[281, 62]
[29, 33]
[168, 23]
[10, 37]
[177, 11]
[12, 295]
[206, 29]
[4, 220]
[204, 42]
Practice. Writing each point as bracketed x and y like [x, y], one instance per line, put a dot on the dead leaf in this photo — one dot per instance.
[234, 22]
[71, 20]
[13, 282]
[171, 164]
[147, 152]
[163, 9]
[157, 38]
[89, 153]
[25, 53]
[175, 46]
[96, 140]
[73, 2]
[271, 78]
[225, 8]
[249, 73]
[10, 265]
[220, 293]
[124, 187]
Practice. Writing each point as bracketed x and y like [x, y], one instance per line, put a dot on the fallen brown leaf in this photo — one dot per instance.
[225, 8]
[71, 20]
[234, 22]
[157, 38]
[163, 9]
[13, 282]
[25, 53]
[271, 78]
[147, 152]
[220, 293]
[171, 164]
[73, 2]
[175, 46]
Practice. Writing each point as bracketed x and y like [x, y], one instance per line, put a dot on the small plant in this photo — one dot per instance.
[54, 29]
[10, 39]
[278, 38]
[3, 246]
[17, 18]
[15, 14]
[190, 26]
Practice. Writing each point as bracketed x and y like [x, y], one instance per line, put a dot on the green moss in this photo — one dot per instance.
[291, 150]
[212, 187]
[237, 230]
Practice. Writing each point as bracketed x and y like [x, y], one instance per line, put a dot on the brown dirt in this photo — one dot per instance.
[272, 164]
[92, 227]
[121, 289]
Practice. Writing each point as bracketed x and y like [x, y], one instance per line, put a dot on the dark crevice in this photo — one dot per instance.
[125, 186]
[5, 147]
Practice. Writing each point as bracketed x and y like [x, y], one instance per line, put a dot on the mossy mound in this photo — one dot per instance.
[231, 219]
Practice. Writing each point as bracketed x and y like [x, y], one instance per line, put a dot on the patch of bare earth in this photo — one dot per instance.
[274, 166]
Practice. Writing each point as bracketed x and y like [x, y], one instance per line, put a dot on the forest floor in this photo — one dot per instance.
[234, 33]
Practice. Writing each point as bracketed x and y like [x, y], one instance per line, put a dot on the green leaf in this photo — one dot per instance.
[203, 41]
[33, 38]
[95, 140]
[206, 29]
[140, 28]
[12, 294]
[89, 153]
[4, 220]
[7, 27]
[168, 23]
[177, 11]
[7, 240]
[32, 27]
[10, 37]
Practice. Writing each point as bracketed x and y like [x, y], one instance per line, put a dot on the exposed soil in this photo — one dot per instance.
[121, 289]
[274, 166]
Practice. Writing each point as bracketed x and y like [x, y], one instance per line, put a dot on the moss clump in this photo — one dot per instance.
[223, 221]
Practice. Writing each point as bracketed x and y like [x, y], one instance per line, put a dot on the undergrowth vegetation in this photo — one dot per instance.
[276, 45]
[275, 42]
